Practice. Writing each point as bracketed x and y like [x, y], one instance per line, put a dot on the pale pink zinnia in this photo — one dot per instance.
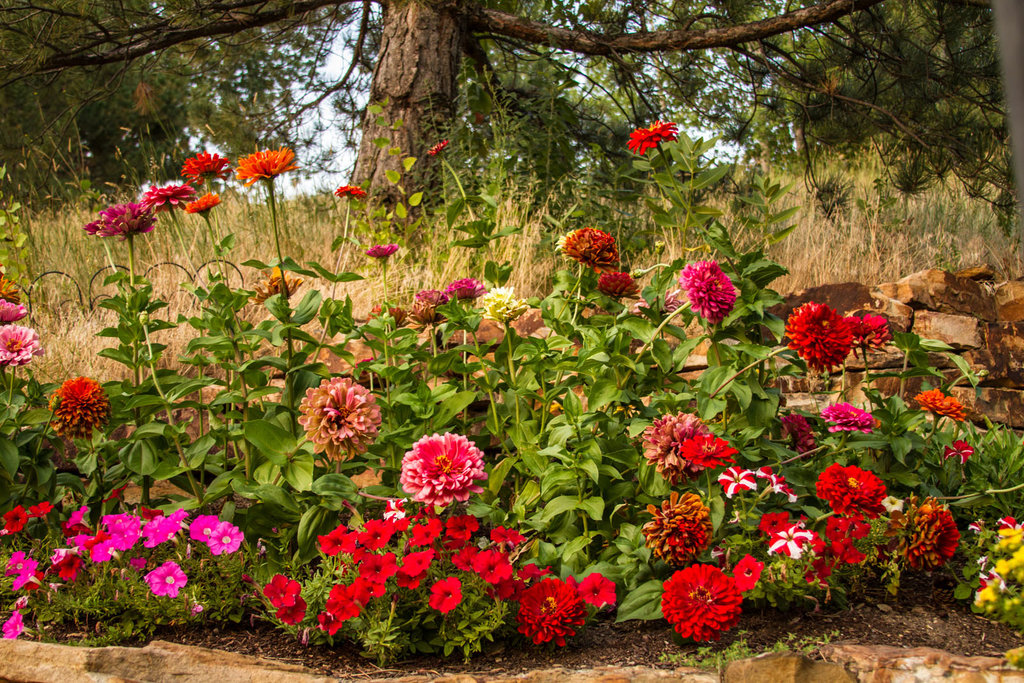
[18, 345]
[466, 288]
[663, 445]
[123, 220]
[167, 579]
[442, 468]
[844, 417]
[11, 312]
[340, 417]
[166, 198]
[710, 291]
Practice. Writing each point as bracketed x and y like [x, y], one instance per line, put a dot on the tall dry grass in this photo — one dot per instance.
[871, 241]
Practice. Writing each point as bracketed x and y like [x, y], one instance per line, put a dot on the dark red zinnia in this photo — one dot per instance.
[821, 336]
[700, 602]
[549, 611]
[592, 247]
[617, 285]
[438, 148]
[869, 332]
[851, 490]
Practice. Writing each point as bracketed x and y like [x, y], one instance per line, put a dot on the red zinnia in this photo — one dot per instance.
[592, 247]
[707, 451]
[700, 602]
[438, 148]
[445, 595]
[643, 139]
[851, 490]
[617, 285]
[549, 611]
[821, 336]
[869, 332]
[929, 534]
[206, 166]
[350, 191]
[203, 204]
[265, 165]
[79, 406]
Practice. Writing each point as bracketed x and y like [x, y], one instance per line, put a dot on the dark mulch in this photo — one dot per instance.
[918, 618]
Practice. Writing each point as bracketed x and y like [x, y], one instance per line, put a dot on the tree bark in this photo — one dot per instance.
[415, 81]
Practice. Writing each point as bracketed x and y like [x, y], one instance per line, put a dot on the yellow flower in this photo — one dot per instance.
[500, 305]
[987, 594]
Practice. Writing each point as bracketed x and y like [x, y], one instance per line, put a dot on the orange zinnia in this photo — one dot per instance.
[203, 204]
[79, 406]
[265, 165]
[937, 402]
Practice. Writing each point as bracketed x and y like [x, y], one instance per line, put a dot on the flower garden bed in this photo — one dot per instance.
[535, 498]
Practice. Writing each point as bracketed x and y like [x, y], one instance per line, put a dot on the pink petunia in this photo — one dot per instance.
[225, 538]
[167, 579]
[202, 527]
[14, 626]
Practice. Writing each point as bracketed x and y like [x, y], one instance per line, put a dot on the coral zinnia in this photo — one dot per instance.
[680, 530]
[847, 418]
[710, 291]
[206, 166]
[591, 247]
[265, 165]
[663, 443]
[442, 468]
[350, 191]
[937, 402]
[79, 406]
[438, 148]
[643, 139]
[11, 313]
[271, 285]
[203, 204]
[123, 220]
[157, 199]
[851, 490]
[549, 611]
[821, 336]
[9, 291]
[700, 602]
[929, 534]
[617, 285]
[340, 417]
[501, 305]
[18, 345]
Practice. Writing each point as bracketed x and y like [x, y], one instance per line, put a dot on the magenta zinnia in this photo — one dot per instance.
[18, 345]
[844, 417]
[466, 288]
[381, 251]
[166, 198]
[710, 291]
[663, 445]
[122, 220]
[340, 417]
[11, 313]
[442, 468]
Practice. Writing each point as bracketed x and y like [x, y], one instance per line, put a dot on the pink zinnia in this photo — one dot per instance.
[225, 539]
[14, 626]
[466, 288]
[340, 417]
[381, 251]
[663, 445]
[123, 220]
[442, 468]
[166, 198]
[167, 579]
[847, 418]
[11, 312]
[710, 291]
[18, 345]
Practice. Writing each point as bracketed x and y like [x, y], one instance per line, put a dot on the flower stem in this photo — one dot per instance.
[288, 398]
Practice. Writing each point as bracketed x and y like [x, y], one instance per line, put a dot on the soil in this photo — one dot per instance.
[920, 617]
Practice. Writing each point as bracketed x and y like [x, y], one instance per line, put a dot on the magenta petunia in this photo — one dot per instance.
[225, 539]
[124, 529]
[18, 346]
[381, 251]
[844, 417]
[202, 527]
[167, 198]
[162, 529]
[14, 626]
[167, 579]
[710, 291]
[441, 469]
[11, 312]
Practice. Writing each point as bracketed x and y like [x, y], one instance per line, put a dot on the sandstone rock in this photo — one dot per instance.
[999, 405]
[944, 292]
[959, 331]
[25, 660]
[981, 272]
[1002, 357]
[896, 665]
[1009, 297]
[850, 298]
[785, 668]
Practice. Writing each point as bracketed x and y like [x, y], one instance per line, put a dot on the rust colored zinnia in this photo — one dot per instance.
[206, 166]
[928, 534]
[821, 336]
[663, 443]
[617, 285]
[701, 601]
[271, 285]
[643, 139]
[935, 401]
[549, 611]
[203, 204]
[79, 406]
[851, 490]
[9, 291]
[680, 530]
[592, 247]
[265, 165]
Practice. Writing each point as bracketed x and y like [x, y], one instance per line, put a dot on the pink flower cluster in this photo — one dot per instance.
[848, 418]
[710, 291]
[11, 312]
[441, 469]
[18, 346]
[466, 288]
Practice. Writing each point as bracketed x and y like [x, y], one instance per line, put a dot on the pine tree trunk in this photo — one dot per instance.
[415, 81]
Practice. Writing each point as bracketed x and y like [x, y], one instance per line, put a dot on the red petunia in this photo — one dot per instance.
[376, 534]
[464, 558]
[700, 602]
[294, 613]
[549, 611]
[414, 568]
[282, 591]
[820, 336]
[458, 530]
[596, 590]
[343, 602]
[378, 568]
[747, 572]
[341, 540]
[492, 566]
[446, 594]
[707, 451]
[851, 490]
[426, 532]
[773, 522]
[67, 566]
[510, 537]
[643, 139]
[14, 521]
[40, 509]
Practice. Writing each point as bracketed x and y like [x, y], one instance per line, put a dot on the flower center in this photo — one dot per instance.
[550, 605]
[853, 483]
[13, 344]
[701, 594]
[444, 463]
[169, 580]
[225, 540]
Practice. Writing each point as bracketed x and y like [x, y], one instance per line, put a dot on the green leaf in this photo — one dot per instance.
[272, 441]
[415, 198]
[299, 472]
[642, 603]
[594, 507]
[9, 456]
[393, 176]
[452, 406]
[602, 393]
[334, 485]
